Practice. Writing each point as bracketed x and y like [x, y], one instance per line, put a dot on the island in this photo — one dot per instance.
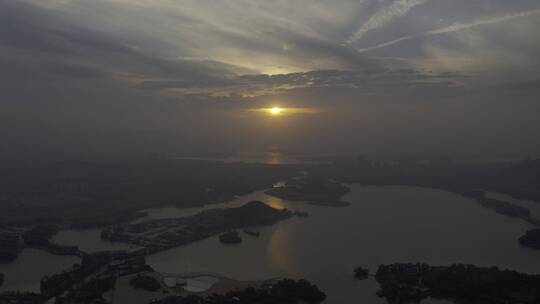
[159, 235]
[314, 191]
[531, 239]
[403, 283]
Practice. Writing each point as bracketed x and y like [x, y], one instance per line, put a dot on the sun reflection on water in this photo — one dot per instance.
[275, 202]
[278, 253]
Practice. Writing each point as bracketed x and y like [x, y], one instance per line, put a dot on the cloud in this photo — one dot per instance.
[367, 82]
[456, 27]
[131, 76]
[384, 16]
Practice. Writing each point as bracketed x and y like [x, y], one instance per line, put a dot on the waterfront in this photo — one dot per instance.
[382, 225]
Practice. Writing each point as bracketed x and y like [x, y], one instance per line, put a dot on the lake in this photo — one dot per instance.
[384, 224]
[26, 271]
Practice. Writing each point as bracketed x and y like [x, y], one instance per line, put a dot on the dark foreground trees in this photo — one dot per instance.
[283, 292]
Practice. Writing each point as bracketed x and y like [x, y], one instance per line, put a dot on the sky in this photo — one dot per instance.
[114, 78]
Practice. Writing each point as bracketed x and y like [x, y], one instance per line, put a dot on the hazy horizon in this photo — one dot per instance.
[128, 78]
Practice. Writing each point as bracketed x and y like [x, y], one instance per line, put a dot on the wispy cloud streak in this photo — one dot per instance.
[384, 16]
[456, 27]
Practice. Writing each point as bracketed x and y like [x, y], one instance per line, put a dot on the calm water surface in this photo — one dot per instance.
[27, 270]
[383, 225]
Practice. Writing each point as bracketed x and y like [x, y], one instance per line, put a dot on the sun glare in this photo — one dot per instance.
[275, 110]
[279, 111]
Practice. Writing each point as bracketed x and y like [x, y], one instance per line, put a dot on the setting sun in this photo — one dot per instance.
[275, 110]
[279, 111]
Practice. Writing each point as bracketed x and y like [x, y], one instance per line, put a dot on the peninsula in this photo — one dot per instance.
[160, 235]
